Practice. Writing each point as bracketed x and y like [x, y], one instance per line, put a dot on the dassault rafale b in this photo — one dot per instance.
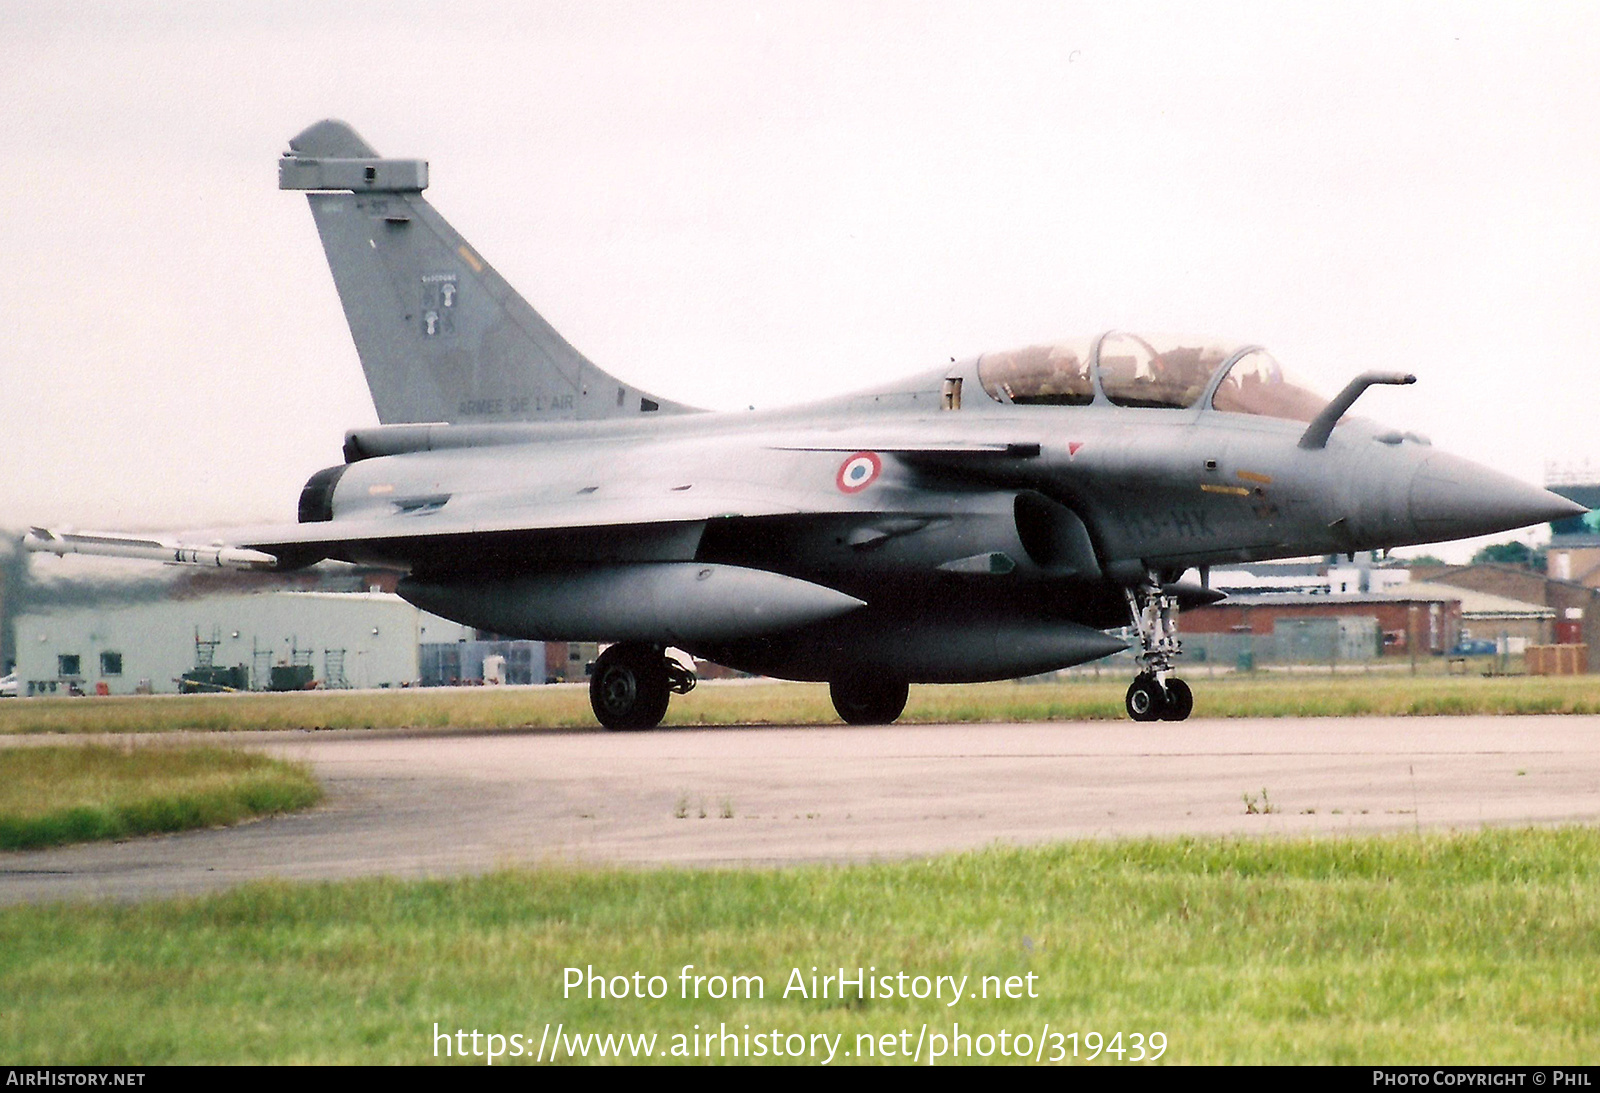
[983, 520]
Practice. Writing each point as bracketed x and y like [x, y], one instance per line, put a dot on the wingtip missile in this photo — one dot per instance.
[114, 545]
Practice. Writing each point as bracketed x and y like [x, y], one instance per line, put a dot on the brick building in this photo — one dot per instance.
[1487, 617]
[1426, 620]
[1576, 606]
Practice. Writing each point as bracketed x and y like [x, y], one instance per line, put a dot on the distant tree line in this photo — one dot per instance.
[1513, 553]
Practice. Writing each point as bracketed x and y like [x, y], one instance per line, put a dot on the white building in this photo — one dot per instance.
[360, 639]
[1310, 576]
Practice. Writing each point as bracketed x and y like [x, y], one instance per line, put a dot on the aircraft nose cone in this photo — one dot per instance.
[1452, 498]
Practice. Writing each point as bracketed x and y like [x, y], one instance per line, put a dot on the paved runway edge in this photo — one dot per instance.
[444, 804]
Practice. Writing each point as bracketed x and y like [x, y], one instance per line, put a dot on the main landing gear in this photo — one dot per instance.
[1155, 695]
[869, 701]
[632, 683]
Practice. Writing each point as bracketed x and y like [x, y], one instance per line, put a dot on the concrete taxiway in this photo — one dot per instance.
[446, 803]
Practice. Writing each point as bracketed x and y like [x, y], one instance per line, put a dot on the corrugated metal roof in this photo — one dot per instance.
[1424, 594]
[1475, 604]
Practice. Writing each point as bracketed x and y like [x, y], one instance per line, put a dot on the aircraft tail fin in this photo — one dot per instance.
[441, 335]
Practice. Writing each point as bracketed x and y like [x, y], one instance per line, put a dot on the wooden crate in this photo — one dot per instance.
[1557, 660]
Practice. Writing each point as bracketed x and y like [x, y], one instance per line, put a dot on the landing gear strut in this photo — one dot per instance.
[632, 683]
[1155, 695]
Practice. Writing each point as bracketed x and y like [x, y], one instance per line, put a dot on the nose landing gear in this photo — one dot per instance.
[1155, 694]
[1147, 701]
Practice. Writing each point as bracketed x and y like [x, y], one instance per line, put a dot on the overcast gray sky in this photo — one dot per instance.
[761, 203]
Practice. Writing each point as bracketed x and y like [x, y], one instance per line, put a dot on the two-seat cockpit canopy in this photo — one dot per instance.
[1123, 369]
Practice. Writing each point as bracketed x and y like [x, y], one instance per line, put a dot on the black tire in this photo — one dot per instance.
[869, 701]
[1144, 701]
[1180, 701]
[629, 687]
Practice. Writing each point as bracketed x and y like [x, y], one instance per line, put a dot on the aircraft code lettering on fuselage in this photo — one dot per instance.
[1176, 524]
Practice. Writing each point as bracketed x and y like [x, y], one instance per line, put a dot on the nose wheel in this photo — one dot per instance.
[1155, 694]
[1147, 700]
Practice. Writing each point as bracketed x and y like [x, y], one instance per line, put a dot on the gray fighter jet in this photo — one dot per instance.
[983, 520]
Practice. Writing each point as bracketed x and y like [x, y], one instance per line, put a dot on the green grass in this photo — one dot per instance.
[1304, 694]
[55, 795]
[1476, 948]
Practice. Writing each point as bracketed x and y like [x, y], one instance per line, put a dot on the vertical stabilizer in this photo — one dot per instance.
[441, 335]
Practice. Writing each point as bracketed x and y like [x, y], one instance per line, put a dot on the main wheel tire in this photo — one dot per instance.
[869, 702]
[1180, 701]
[1144, 701]
[629, 687]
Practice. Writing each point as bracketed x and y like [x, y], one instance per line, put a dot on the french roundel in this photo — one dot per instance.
[858, 472]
